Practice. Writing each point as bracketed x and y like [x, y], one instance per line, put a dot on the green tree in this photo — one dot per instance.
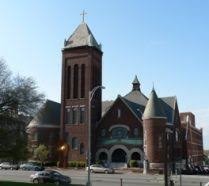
[206, 160]
[18, 95]
[41, 153]
[19, 101]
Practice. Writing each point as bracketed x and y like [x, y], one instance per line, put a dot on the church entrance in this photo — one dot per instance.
[135, 156]
[119, 156]
[103, 156]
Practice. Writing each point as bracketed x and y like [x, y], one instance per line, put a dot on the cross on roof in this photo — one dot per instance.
[83, 15]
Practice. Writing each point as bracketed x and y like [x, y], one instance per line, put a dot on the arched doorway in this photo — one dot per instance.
[103, 156]
[119, 155]
[135, 156]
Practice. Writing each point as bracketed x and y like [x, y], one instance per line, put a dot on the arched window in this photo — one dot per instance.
[103, 132]
[82, 81]
[119, 113]
[74, 115]
[81, 148]
[135, 156]
[68, 119]
[160, 145]
[74, 143]
[75, 82]
[136, 131]
[119, 132]
[69, 82]
[82, 114]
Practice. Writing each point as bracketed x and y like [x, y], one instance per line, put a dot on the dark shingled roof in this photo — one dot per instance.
[171, 101]
[49, 114]
[154, 107]
[141, 107]
[135, 81]
[82, 36]
[136, 84]
[136, 96]
[136, 108]
[168, 104]
[106, 106]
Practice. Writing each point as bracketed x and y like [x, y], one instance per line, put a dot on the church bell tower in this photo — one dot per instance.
[81, 72]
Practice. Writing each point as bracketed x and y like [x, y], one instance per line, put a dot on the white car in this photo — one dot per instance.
[8, 165]
[50, 176]
[100, 169]
[207, 184]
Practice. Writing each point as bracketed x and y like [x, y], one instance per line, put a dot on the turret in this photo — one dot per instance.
[154, 124]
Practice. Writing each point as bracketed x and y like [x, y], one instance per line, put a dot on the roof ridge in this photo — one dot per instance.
[168, 97]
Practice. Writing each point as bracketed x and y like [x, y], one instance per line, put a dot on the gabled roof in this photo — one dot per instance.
[82, 36]
[138, 103]
[136, 96]
[131, 106]
[168, 104]
[106, 106]
[171, 101]
[154, 107]
[49, 114]
[136, 108]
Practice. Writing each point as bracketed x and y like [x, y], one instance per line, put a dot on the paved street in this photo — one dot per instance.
[128, 178]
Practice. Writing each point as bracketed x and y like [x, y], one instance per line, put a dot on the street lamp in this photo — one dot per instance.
[145, 163]
[91, 94]
[62, 148]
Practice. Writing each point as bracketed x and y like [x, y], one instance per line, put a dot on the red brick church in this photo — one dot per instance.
[133, 127]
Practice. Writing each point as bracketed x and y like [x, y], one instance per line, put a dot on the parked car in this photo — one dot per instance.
[50, 176]
[31, 167]
[206, 169]
[200, 169]
[100, 169]
[8, 165]
[188, 170]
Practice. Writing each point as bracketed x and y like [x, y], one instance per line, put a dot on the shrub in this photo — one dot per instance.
[78, 164]
[82, 164]
[133, 163]
[72, 163]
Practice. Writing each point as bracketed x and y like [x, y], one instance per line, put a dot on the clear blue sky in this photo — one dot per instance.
[165, 42]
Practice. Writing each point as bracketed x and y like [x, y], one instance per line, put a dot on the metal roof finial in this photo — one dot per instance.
[83, 15]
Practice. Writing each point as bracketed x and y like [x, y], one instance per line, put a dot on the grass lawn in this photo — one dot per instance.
[9, 183]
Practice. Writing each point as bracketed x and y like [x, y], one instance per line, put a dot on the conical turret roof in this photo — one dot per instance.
[82, 36]
[136, 84]
[153, 108]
